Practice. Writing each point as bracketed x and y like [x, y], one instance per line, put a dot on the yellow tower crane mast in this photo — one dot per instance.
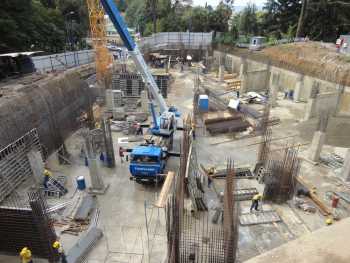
[103, 58]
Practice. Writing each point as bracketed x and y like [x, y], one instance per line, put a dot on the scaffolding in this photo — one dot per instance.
[193, 237]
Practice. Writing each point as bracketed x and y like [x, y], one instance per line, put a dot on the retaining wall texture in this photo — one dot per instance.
[332, 96]
[52, 104]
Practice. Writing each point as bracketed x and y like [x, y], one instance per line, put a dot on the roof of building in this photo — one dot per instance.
[147, 150]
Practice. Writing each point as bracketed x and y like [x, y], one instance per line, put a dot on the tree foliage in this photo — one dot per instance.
[41, 24]
[321, 19]
[248, 20]
[174, 16]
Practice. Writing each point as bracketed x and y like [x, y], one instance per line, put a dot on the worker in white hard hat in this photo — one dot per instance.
[26, 255]
[58, 247]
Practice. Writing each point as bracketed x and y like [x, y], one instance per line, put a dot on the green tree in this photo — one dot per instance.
[319, 19]
[280, 16]
[218, 19]
[26, 25]
[248, 23]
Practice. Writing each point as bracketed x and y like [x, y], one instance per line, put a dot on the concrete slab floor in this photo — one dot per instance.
[129, 237]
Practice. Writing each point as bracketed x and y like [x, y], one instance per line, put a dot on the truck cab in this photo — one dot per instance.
[147, 162]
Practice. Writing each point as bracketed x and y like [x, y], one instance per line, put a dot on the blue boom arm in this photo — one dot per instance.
[118, 22]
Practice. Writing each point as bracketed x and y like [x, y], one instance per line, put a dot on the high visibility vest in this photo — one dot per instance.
[257, 197]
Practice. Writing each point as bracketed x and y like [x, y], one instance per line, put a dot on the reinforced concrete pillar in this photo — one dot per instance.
[243, 68]
[108, 140]
[243, 75]
[221, 73]
[316, 146]
[340, 88]
[97, 184]
[274, 80]
[345, 174]
[298, 88]
[310, 109]
[144, 101]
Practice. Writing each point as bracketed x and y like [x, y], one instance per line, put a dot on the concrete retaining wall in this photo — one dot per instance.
[331, 96]
[52, 105]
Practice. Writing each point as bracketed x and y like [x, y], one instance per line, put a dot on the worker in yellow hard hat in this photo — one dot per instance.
[47, 175]
[329, 221]
[193, 129]
[58, 247]
[255, 202]
[26, 255]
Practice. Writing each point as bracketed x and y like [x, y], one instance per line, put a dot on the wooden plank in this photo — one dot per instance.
[325, 210]
[165, 190]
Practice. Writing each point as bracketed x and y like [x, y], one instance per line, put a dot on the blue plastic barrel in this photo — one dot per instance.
[81, 183]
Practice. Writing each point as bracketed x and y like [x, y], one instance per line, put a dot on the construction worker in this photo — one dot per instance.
[58, 247]
[26, 255]
[121, 154]
[47, 175]
[139, 130]
[193, 131]
[255, 202]
[211, 172]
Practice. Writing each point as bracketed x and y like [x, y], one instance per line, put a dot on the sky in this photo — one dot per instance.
[237, 2]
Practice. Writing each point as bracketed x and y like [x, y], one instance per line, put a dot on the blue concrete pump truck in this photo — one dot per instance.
[149, 159]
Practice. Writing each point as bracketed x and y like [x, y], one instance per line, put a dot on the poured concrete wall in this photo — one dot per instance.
[52, 104]
[331, 96]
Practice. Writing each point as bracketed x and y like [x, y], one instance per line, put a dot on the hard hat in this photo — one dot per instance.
[23, 252]
[329, 221]
[56, 244]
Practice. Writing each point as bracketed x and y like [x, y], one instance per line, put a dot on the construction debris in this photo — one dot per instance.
[261, 217]
[333, 161]
[85, 208]
[84, 245]
[325, 210]
[240, 172]
[304, 205]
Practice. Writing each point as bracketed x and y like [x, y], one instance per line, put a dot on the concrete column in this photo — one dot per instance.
[96, 180]
[316, 146]
[274, 80]
[299, 85]
[345, 174]
[243, 75]
[310, 109]
[109, 99]
[243, 68]
[221, 73]
[340, 88]
[144, 101]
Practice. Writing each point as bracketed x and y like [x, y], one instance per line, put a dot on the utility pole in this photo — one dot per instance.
[301, 18]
